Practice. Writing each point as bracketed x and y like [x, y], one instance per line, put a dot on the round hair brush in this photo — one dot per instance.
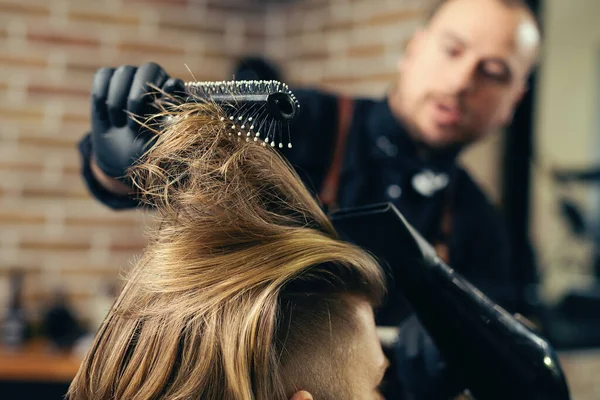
[257, 110]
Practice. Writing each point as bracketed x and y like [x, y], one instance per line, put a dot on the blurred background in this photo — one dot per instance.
[61, 252]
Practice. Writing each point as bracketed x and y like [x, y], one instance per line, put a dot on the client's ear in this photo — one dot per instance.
[302, 395]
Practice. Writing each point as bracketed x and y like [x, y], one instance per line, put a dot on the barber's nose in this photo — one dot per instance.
[463, 77]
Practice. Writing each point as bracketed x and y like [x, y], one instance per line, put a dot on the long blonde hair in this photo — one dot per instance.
[243, 273]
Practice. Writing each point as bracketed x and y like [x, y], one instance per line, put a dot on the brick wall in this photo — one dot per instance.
[350, 46]
[49, 51]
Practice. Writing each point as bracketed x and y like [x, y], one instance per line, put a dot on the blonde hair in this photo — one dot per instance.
[243, 275]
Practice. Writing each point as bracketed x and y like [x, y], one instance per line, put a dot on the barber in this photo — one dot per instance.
[460, 80]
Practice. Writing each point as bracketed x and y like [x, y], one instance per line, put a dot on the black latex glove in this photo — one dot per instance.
[117, 140]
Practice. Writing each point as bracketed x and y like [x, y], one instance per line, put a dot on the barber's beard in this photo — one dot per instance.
[407, 115]
[430, 151]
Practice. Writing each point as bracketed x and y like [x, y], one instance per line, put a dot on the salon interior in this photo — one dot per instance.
[62, 252]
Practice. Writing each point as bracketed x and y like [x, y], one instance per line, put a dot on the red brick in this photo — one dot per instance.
[340, 80]
[217, 55]
[235, 7]
[24, 166]
[62, 39]
[49, 245]
[22, 60]
[148, 47]
[169, 3]
[73, 296]
[24, 113]
[74, 118]
[103, 18]
[191, 28]
[40, 89]
[21, 218]
[80, 66]
[47, 142]
[367, 51]
[400, 15]
[180, 23]
[71, 170]
[339, 26]
[51, 193]
[314, 6]
[28, 269]
[91, 270]
[24, 8]
[118, 222]
[126, 247]
[255, 32]
[20, 166]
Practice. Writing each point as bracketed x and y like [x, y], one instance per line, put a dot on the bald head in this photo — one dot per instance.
[521, 20]
[463, 74]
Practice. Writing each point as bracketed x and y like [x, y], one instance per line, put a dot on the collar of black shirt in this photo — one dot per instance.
[382, 122]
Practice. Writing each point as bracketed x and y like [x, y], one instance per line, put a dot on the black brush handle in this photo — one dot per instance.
[275, 97]
[280, 106]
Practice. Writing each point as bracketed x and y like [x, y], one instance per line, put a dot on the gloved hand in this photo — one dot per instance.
[117, 140]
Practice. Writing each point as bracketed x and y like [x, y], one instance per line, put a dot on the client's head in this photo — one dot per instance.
[244, 290]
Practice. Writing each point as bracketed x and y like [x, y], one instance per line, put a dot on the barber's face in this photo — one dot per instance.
[463, 75]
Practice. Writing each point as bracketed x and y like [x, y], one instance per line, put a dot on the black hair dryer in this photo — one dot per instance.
[497, 356]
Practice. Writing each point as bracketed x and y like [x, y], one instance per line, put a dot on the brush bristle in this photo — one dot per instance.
[239, 87]
[246, 106]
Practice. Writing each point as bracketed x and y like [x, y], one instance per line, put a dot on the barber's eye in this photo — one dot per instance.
[495, 73]
[452, 51]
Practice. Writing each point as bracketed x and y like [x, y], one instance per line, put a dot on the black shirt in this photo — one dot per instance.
[382, 163]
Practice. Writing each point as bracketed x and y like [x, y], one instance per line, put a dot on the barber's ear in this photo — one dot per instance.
[302, 395]
[517, 98]
[522, 92]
